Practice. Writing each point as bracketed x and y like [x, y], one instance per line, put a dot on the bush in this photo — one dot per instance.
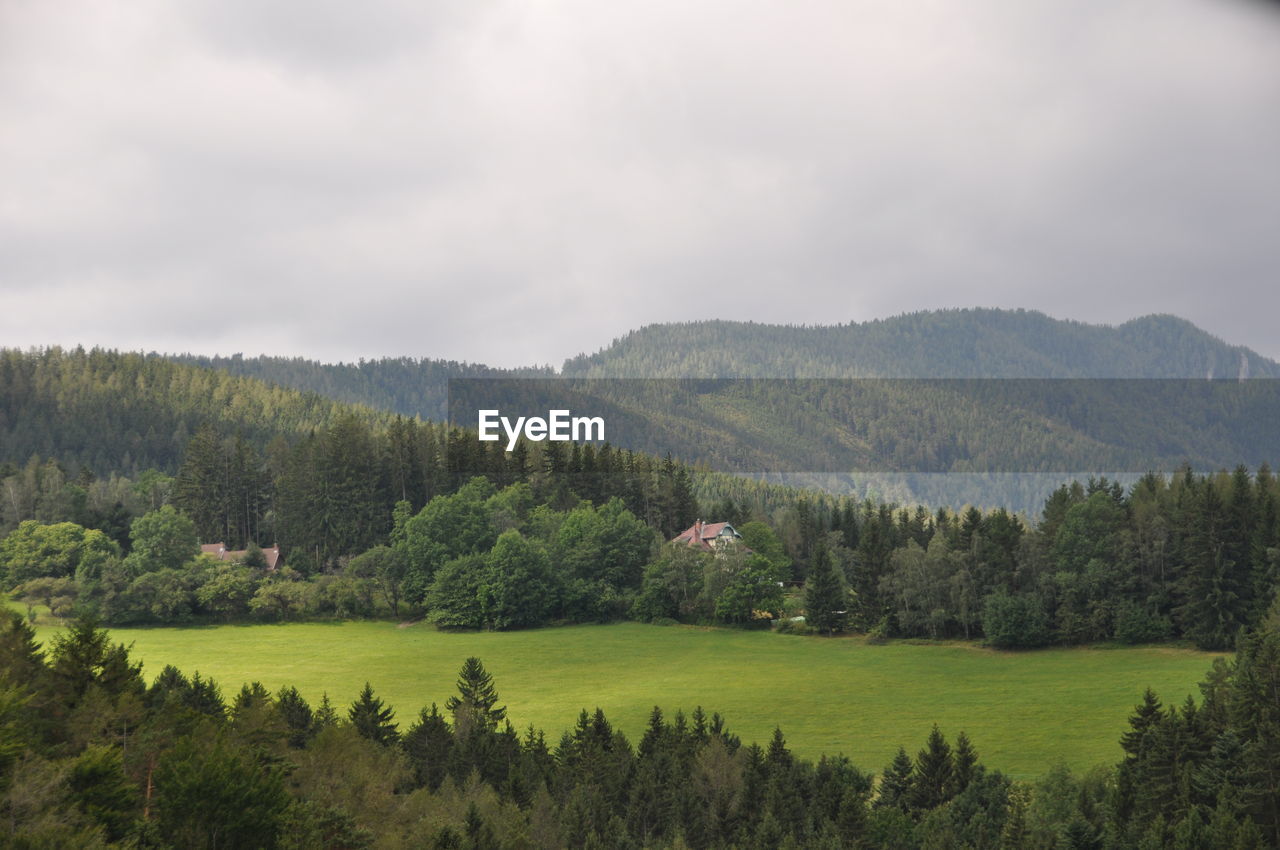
[881, 631]
[1014, 622]
[1136, 625]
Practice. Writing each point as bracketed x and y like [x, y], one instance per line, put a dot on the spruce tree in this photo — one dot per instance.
[825, 600]
[477, 697]
[897, 783]
[1144, 719]
[429, 745]
[1214, 584]
[326, 715]
[297, 715]
[372, 718]
[966, 763]
[935, 773]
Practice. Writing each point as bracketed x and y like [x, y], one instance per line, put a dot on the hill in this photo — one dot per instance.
[828, 425]
[974, 343]
[111, 411]
[978, 343]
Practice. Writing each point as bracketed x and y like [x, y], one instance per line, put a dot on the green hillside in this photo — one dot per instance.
[122, 412]
[111, 411]
[936, 344]
[880, 426]
[829, 696]
[975, 343]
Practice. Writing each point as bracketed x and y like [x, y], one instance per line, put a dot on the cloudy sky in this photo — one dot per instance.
[515, 182]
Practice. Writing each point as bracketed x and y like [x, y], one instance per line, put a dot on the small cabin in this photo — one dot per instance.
[220, 552]
[709, 536]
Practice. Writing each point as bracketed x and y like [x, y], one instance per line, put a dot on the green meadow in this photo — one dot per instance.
[1023, 711]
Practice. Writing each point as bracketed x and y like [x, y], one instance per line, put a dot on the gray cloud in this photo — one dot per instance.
[515, 183]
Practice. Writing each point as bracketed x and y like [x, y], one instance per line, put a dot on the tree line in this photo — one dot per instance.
[419, 518]
[92, 755]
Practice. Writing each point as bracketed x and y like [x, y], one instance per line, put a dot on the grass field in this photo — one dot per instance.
[1023, 711]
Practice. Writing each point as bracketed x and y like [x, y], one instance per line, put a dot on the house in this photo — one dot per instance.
[220, 552]
[710, 536]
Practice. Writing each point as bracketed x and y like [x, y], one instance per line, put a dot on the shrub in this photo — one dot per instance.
[1137, 625]
[1014, 622]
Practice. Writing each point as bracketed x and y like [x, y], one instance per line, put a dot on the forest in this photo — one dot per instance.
[114, 413]
[381, 515]
[395, 523]
[116, 467]
[93, 756]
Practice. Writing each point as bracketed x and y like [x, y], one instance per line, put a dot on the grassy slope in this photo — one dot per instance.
[1023, 711]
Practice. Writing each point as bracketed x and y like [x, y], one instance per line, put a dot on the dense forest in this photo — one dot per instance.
[114, 413]
[417, 519]
[971, 343]
[114, 468]
[118, 413]
[383, 515]
[408, 386]
[92, 756]
[932, 344]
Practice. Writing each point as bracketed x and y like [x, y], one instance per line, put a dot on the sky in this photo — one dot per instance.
[515, 183]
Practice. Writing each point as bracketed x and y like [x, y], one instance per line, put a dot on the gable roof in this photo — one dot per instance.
[703, 535]
[220, 552]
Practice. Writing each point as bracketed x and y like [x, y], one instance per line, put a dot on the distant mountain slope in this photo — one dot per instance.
[412, 387]
[977, 343]
[122, 412]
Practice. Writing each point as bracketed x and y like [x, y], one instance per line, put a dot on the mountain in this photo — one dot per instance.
[110, 411]
[972, 343]
[827, 425]
[404, 385]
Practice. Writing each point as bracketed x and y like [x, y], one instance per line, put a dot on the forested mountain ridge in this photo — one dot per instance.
[971, 343]
[404, 385]
[111, 411]
[937, 344]
[114, 412]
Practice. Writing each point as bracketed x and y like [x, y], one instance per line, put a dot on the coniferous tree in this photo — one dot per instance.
[477, 699]
[825, 600]
[934, 773]
[966, 762]
[1213, 609]
[897, 783]
[372, 718]
[429, 744]
[297, 715]
[326, 714]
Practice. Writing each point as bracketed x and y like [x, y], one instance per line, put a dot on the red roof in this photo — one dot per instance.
[704, 534]
[220, 552]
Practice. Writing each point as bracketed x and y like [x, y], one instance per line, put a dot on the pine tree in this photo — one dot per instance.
[326, 715]
[934, 774]
[372, 718]
[429, 744]
[898, 783]
[1214, 587]
[477, 697]
[966, 762]
[1144, 719]
[825, 600]
[297, 715]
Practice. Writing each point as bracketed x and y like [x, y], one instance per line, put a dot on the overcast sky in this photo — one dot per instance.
[515, 182]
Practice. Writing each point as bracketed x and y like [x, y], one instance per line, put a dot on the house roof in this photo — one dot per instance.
[704, 534]
[220, 552]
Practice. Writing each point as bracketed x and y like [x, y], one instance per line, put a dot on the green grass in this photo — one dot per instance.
[1023, 711]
